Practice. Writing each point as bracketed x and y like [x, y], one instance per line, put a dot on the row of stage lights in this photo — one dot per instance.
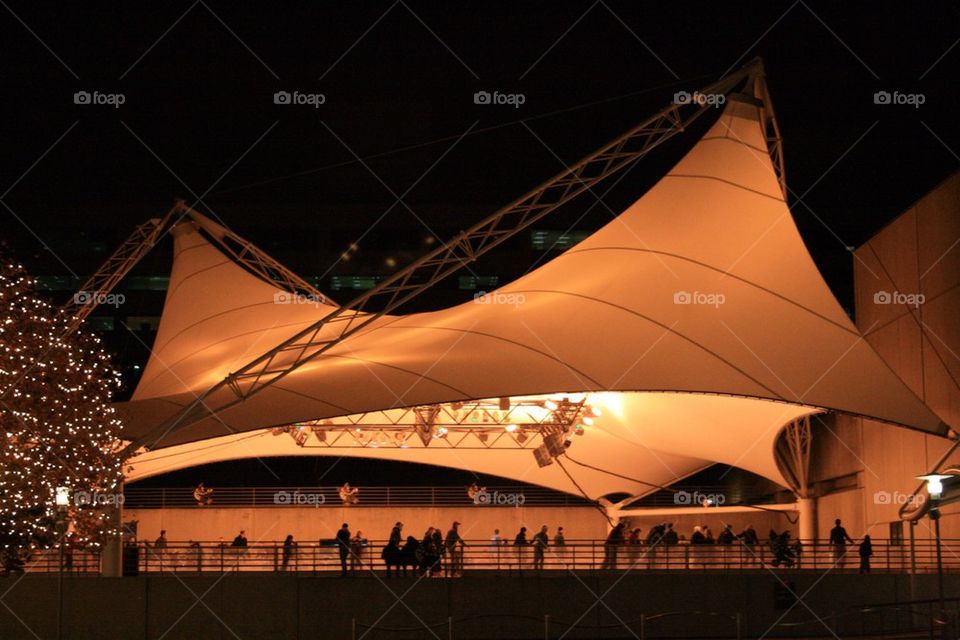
[585, 417]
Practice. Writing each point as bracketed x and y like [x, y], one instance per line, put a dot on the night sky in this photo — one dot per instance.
[198, 118]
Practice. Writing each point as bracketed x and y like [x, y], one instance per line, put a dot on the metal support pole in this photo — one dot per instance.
[935, 514]
[60, 585]
[913, 559]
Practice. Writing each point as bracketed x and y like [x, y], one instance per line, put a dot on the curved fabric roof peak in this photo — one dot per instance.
[703, 285]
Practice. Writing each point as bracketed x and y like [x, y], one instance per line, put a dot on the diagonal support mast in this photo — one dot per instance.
[118, 265]
[146, 235]
[465, 248]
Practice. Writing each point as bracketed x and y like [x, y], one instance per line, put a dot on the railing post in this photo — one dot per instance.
[739, 626]
[449, 627]
[353, 629]
[643, 626]
[546, 626]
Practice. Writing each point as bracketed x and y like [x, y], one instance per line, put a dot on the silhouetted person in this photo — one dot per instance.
[343, 546]
[838, 541]
[559, 540]
[697, 536]
[454, 544]
[439, 546]
[749, 536]
[670, 536]
[240, 540]
[540, 542]
[161, 541]
[429, 553]
[866, 550]
[726, 536]
[520, 544]
[612, 546]
[288, 545]
[396, 535]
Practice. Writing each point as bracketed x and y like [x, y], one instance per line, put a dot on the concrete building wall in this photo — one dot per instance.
[914, 260]
[311, 523]
[697, 604]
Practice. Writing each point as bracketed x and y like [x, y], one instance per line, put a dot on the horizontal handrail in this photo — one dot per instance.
[372, 496]
[480, 554]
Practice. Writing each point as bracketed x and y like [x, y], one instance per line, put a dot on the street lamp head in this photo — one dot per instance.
[934, 483]
[63, 496]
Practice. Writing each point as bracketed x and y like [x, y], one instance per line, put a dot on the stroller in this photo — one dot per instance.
[780, 547]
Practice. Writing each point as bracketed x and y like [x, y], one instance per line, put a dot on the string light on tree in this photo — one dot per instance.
[57, 427]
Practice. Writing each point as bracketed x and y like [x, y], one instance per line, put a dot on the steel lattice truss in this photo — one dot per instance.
[479, 424]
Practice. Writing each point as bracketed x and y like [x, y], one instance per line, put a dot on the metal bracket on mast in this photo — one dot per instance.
[466, 247]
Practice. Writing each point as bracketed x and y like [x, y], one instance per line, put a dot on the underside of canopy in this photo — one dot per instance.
[702, 286]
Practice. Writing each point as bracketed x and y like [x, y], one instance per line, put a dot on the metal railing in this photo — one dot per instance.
[136, 497]
[482, 555]
[329, 496]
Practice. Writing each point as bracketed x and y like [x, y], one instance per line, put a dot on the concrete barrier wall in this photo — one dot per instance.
[311, 524]
[482, 607]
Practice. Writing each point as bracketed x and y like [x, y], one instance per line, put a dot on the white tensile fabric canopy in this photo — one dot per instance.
[701, 296]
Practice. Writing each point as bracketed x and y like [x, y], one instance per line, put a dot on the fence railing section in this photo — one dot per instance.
[482, 555]
[329, 496]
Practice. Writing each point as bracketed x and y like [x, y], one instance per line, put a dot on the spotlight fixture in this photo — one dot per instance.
[542, 456]
[587, 420]
[509, 428]
[551, 405]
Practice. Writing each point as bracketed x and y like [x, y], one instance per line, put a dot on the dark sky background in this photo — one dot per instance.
[198, 81]
[199, 120]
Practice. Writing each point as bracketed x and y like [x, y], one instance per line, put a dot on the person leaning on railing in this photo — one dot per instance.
[612, 546]
[454, 544]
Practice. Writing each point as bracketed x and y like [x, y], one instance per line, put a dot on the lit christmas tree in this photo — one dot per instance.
[58, 428]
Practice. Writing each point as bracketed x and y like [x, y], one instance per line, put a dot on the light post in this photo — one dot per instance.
[935, 490]
[60, 526]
